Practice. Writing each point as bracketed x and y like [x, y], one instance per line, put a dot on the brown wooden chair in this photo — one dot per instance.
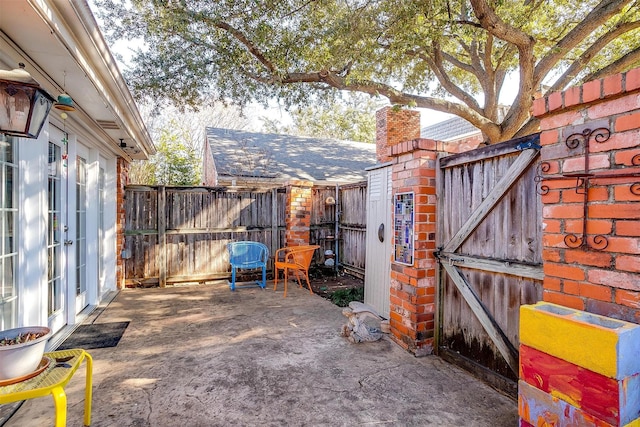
[295, 259]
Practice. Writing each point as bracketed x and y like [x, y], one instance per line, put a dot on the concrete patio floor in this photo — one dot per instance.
[206, 356]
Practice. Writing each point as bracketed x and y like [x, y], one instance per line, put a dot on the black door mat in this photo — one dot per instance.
[96, 335]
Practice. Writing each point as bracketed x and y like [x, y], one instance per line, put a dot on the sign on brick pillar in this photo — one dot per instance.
[394, 126]
[298, 213]
[122, 179]
[413, 284]
[590, 186]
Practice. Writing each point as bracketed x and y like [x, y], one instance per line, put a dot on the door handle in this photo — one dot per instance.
[381, 232]
[68, 242]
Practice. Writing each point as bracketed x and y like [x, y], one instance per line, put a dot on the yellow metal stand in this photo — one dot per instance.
[52, 381]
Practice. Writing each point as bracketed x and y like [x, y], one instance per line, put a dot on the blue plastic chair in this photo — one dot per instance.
[246, 256]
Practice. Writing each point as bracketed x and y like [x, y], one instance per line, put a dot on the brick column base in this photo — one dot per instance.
[298, 213]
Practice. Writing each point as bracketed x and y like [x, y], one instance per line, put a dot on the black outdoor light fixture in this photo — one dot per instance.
[24, 106]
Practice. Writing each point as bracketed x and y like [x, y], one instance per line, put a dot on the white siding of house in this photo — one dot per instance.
[31, 230]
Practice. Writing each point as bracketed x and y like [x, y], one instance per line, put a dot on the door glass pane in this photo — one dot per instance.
[54, 245]
[8, 200]
[81, 224]
[9, 228]
[8, 252]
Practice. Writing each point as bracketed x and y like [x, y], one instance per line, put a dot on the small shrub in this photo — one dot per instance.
[342, 297]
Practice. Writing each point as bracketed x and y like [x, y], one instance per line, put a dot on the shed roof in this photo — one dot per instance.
[447, 130]
[262, 155]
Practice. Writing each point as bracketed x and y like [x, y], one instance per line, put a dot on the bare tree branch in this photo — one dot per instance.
[628, 60]
[457, 63]
[440, 72]
[253, 49]
[578, 65]
[600, 14]
[524, 42]
[496, 26]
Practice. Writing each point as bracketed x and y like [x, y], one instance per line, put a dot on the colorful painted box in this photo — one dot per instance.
[542, 409]
[616, 402]
[600, 344]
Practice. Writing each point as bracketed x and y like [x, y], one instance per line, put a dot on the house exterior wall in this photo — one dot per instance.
[84, 248]
[30, 234]
[33, 226]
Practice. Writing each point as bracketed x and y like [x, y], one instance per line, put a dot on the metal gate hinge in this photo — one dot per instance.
[530, 144]
[454, 260]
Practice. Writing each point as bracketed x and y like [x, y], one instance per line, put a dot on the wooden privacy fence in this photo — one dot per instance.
[179, 234]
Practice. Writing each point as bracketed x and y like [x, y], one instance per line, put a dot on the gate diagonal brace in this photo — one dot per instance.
[505, 347]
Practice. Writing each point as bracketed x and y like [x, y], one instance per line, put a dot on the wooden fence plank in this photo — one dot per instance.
[162, 238]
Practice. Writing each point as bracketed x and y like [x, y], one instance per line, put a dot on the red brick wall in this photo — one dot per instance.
[604, 280]
[298, 213]
[463, 145]
[122, 179]
[394, 126]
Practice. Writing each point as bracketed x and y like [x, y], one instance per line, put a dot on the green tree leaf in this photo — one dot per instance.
[452, 56]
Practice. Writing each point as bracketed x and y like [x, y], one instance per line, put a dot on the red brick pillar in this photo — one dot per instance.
[601, 275]
[298, 213]
[413, 287]
[122, 179]
[393, 126]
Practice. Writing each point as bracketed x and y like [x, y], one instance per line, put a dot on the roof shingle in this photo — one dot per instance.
[260, 155]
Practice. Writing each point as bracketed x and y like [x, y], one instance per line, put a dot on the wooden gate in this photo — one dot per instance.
[490, 252]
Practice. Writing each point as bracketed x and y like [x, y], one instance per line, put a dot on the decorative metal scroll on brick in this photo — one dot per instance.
[403, 219]
[584, 180]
